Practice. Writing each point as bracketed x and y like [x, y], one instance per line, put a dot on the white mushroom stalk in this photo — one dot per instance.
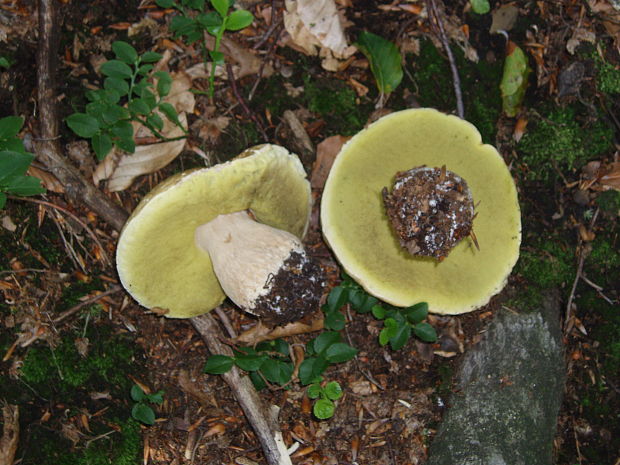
[263, 270]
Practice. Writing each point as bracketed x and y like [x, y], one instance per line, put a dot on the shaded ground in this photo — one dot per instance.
[72, 377]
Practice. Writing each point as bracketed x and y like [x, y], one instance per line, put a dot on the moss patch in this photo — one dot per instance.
[561, 138]
[550, 263]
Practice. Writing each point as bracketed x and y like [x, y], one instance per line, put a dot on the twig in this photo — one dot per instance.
[265, 427]
[10, 435]
[431, 6]
[77, 188]
[241, 100]
[571, 297]
[226, 322]
[87, 302]
[74, 217]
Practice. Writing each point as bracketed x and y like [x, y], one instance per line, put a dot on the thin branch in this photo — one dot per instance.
[242, 102]
[433, 11]
[77, 188]
[67, 313]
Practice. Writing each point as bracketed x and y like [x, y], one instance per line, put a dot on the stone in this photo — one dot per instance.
[504, 407]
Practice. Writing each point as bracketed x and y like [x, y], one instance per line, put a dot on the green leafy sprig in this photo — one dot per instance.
[385, 61]
[14, 162]
[141, 410]
[126, 96]
[326, 394]
[193, 24]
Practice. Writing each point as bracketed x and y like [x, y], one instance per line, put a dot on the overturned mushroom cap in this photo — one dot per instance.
[157, 258]
[356, 227]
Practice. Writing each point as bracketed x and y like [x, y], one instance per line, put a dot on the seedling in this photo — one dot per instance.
[4, 63]
[215, 23]
[399, 323]
[141, 410]
[326, 394]
[14, 162]
[126, 96]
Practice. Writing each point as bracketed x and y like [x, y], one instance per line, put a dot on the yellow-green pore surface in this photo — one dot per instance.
[357, 229]
[157, 259]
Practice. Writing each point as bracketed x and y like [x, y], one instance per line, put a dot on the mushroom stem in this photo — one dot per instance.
[263, 270]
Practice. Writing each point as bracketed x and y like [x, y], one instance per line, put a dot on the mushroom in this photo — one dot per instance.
[414, 151]
[231, 230]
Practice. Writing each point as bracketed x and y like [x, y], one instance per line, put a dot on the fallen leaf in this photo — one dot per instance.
[48, 180]
[514, 79]
[326, 153]
[504, 18]
[520, 127]
[316, 28]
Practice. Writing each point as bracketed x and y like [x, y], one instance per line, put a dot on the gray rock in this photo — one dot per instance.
[507, 396]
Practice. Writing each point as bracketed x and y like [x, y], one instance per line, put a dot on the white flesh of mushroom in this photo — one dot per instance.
[245, 254]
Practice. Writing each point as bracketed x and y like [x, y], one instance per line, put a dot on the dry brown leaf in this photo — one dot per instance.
[520, 128]
[610, 17]
[316, 28]
[48, 180]
[611, 178]
[326, 153]
[504, 18]
[120, 169]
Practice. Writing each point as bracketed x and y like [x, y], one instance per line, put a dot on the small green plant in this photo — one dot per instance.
[480, 7]
[126, 96]
[142, 411]
[192, 25]
[326, 394]
[14, 162]
[399, 323]
[4, 63]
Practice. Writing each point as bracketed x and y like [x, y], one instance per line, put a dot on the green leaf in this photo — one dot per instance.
[401, 337]
[116, 69]
[384, 59]
[164, 3]
[169, 112]
[314, 391]
[218, 364]
[332, 390]
[126, 144]
[156, 398]
[217, 57]
[83, 125]
[250, 362]
[337, 298]
[340, 352]
[209, 20]
[277, 371]
[196, 4]
[2, 200]
[389, 331]
[367, 304]
[4, 63]
[149, 98]
[324, 340]
[125, 52]
[119, 85]
[334, 321]
[102, 144]
[122, 130]
[277, 345]
[514, 79]
[10, 126]
[416, 313]
[221, 6]
[183, 26]
[143, 413]
[155, 120]
[480, 6]
[238, 19]
[113, 113]
[257, 381]
[164, 83]
[378, 312]
[150, 57]
[425, 332]
[311, 369]
[24, 186]
[12, 144]
[13, 164]
[139, 106]
[323, 409]
[137, 394]
[145, 69]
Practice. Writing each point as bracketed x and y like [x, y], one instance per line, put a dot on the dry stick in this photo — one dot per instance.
[431, 6]
[265, 426]
[80, 190]
[241, 100]
[87, 302]
[77, 188]
[10, 435]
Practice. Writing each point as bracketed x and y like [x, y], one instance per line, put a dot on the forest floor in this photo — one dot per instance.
[71, 373]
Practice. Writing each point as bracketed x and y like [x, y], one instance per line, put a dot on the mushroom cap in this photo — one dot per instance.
[356, 227]
[157, 259]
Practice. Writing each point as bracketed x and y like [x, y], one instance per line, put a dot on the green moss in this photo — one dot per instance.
[604, 256]
[559, 139]
[548, 264]
[61, 370]
[607, 76]
[72, 294]
[609, 201]
[336, 103]
[433, 87]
